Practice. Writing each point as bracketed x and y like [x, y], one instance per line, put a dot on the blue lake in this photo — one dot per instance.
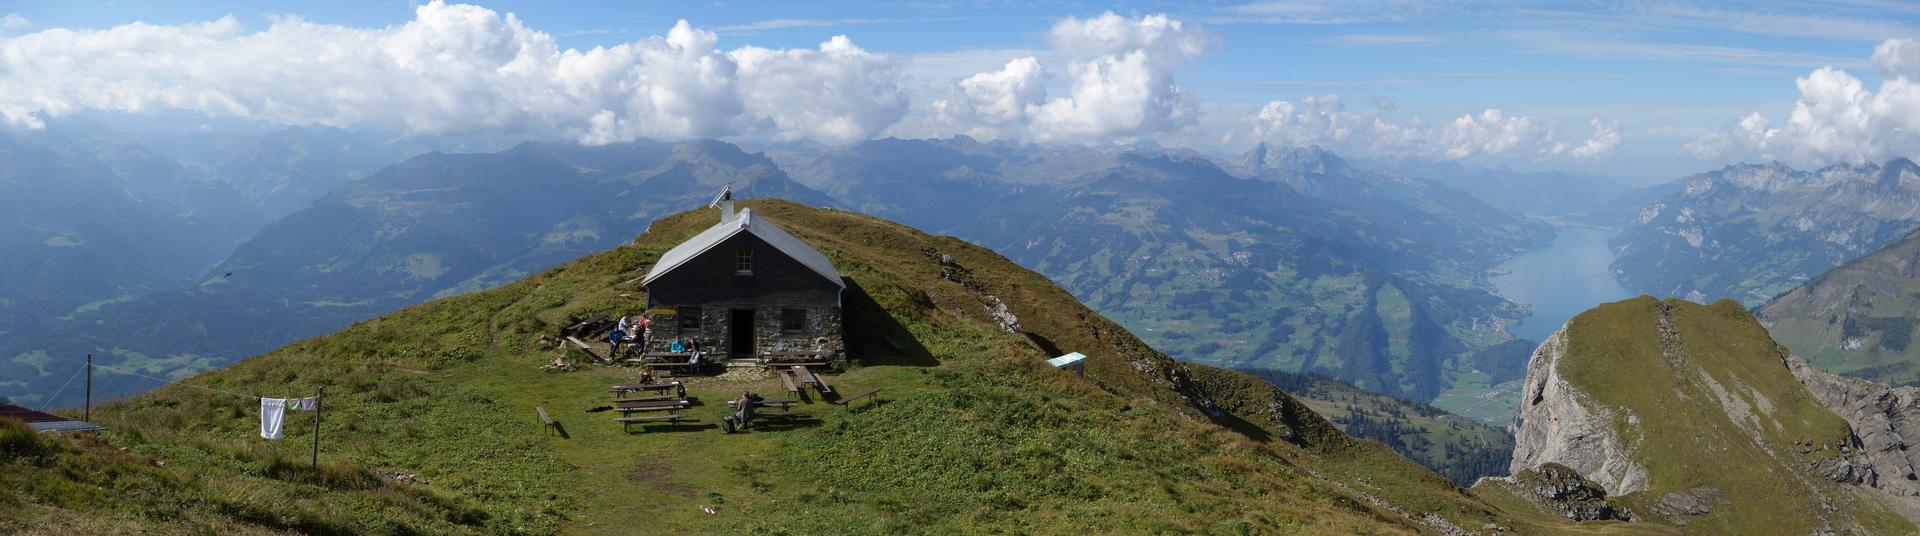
[1560, 280]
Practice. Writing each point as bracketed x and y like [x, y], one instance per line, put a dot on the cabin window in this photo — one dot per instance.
[689, 320]
[743, 262]
[793, 321]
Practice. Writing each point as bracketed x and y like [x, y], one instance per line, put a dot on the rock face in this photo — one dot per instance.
[1558, 489]
[1559, 426]
[1886, 420]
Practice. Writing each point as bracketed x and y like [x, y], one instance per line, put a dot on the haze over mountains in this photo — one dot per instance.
[1752, 231]
[1284, 258]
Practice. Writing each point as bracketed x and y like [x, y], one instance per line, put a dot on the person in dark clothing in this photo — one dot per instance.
[614, 338]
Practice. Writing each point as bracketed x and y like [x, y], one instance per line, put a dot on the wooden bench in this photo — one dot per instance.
[546, 419]
[631, 411]
[676, 369]
[653, 404]
[584, 348]
[809, 364]
[768, 414]
[842, 402]
[646, 398]
[786, 378]
[625, 422]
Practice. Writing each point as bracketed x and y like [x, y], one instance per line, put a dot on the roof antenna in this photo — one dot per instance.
[725, 202]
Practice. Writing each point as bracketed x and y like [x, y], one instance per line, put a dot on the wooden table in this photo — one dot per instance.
[660, 387]
[784, 403]
[807, 376]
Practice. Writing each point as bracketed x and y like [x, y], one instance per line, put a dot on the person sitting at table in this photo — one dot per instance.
[613, 342]
[677, 346]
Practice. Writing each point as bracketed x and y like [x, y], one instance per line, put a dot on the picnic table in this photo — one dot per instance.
[744, 414]
[646, 398]
[659, 387]
[784, 403]
[667, 357]
[802, 375]
[593, 325]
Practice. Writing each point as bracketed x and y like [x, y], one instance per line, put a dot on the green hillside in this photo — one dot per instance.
[1858, 319]
[430, 426]
[1459, 448]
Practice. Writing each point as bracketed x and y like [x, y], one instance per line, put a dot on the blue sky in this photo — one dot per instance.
[1667, 73]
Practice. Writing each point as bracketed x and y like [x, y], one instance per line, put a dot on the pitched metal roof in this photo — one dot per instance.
[44, 422]
[765, 230]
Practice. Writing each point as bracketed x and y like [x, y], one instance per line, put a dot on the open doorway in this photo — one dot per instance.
[740, 334]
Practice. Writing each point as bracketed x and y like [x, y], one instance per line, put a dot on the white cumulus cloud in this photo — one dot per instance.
[838, 93]
[1836, 119]
[13, 22]
[1119, 84]
[1324, 120]
[454, 68]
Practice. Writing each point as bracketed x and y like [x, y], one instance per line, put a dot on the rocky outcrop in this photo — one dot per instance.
[1885, 421]
[1557, 427]
[1558, 489]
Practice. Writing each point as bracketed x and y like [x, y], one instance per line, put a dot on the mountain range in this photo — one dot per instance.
[1752, 231]
[1292, 260]
[436, 224]
[1289, 259]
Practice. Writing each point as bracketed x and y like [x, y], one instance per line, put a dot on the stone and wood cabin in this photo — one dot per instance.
[747, 289]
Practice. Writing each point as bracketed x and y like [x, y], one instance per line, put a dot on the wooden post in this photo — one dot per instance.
[319, 401]
[89, 417]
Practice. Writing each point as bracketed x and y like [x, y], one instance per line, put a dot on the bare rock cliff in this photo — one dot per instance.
[1557, 427]
[1885, 419]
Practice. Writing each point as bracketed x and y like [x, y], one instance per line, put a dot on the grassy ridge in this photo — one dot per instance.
[1714, 407]
[975, 434]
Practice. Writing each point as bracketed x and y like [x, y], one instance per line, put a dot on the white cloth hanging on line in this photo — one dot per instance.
[273, 413]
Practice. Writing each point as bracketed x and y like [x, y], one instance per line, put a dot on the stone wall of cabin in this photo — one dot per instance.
[825, 329]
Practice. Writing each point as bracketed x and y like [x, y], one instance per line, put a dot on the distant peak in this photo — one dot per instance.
[1308, 159]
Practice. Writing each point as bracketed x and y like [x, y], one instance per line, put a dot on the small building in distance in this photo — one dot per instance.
[746, 288]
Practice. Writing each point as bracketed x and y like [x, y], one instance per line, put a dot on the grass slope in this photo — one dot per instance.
[1858, 319]
[1713, 406]
[975, 435]
[1457, 447]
